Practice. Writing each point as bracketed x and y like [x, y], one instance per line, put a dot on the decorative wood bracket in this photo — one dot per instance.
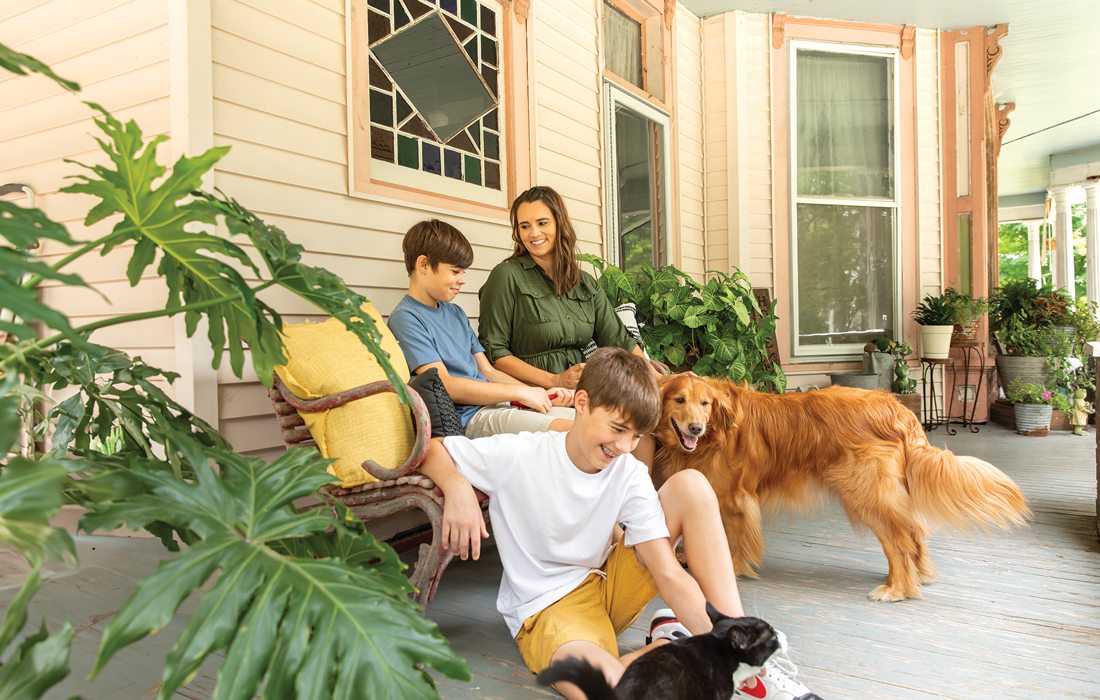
[1003, 122]
[779, 21]
[908, 40]
[521, 8]
[993, 36]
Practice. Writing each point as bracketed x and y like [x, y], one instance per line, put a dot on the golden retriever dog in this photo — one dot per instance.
[862, 446]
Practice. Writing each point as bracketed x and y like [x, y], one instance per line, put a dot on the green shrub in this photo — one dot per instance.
[715, 329]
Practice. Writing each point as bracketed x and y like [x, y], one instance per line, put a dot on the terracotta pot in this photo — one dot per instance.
[965, 334]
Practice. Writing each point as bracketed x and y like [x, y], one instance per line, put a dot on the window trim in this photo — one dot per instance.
[615, 95]
[653, 15]
[373, 181]
[818, 353]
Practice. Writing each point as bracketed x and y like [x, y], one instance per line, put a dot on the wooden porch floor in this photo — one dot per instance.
[1014, 615]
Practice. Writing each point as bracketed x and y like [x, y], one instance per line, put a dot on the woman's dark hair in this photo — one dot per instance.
[565, 272]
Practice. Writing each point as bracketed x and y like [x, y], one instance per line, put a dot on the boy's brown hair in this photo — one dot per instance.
[439, 242]
[622, 382]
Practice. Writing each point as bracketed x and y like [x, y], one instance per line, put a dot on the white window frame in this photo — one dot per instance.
[615, 97]
[810, 353]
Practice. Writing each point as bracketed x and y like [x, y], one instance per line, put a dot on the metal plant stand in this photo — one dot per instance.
[972, 357]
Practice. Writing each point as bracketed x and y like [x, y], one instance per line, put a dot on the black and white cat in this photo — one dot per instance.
[706, 666]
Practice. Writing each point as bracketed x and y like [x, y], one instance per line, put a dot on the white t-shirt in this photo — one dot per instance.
[552, 522]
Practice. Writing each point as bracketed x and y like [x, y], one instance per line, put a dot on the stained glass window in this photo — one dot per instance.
[434, 87]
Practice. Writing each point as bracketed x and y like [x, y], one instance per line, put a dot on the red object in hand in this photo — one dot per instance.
[519, 404]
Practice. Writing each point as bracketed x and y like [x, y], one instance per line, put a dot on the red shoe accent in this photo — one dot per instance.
[757, 691]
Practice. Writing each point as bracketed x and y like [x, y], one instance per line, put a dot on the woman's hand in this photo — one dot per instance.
[560, 396]
[570, 377]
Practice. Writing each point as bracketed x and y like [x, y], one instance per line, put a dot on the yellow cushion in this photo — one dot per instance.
[326, 358]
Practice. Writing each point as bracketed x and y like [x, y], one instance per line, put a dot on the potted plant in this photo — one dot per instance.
[1033, 407]
[968, 315]
[936, 317]
[901, 384]
[715, 329]
[1031, 404]
[1032, 329]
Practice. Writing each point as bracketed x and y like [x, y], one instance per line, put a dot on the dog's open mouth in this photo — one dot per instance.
[688, 442]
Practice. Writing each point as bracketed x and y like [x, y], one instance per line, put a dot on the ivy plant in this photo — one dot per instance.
[302, 602]
[716, 328]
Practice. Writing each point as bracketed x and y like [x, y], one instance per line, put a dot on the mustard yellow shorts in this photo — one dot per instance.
[597, 611]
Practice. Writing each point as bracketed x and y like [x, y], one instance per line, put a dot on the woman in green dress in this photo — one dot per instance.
[538, 308]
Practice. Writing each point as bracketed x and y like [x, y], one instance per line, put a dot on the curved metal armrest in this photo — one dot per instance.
[422, 430]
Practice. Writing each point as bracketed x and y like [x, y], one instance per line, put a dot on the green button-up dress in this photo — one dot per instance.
[521, 316]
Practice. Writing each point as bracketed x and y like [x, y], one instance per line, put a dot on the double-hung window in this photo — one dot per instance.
[845, 271]
[637, 133]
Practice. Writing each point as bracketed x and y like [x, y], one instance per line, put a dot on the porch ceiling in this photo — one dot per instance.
[1049, 69]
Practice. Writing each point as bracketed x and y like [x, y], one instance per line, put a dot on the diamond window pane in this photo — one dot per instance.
[452, 164]
[434, 69]
[432, 158]
[381, 108]
[469, 11]
[473, 170]
[433, 72]
[407, 152]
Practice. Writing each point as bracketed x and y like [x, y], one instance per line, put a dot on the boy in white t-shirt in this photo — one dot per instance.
[573, 578]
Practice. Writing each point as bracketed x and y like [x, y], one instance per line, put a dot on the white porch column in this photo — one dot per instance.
[1092, 240]
[1062, 265]
[1034, 260]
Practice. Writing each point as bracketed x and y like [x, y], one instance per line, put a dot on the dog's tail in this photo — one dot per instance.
[958, 490]
[581, 674]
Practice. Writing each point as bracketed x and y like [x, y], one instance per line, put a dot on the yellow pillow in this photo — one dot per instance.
[326, 358]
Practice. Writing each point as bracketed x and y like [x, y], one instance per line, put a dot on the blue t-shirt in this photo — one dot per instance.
[442, 334]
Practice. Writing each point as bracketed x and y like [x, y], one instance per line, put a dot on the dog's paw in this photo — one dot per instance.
[889, 594]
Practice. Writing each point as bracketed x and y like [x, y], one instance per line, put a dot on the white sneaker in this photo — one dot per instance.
[665, 625]
[776, 681]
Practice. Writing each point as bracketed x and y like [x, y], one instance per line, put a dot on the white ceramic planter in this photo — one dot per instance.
[935, 342]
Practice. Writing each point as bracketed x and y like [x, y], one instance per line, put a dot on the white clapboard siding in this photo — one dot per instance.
[929, 209]
[688, 116]
[118, 51]
[754, 134]
[715, 141]
[565, 70]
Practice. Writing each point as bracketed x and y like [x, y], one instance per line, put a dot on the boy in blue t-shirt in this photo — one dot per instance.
[433, 332]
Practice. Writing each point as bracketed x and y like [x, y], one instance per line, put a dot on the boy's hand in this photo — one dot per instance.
[534, 397]
[570, 377]
[560, 396]
[463, 524]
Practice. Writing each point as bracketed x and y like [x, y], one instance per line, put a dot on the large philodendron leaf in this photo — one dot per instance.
[315, 626]
[316, 285]
[30, 494]
[22, 64]
[41, 660]
[160, 215]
